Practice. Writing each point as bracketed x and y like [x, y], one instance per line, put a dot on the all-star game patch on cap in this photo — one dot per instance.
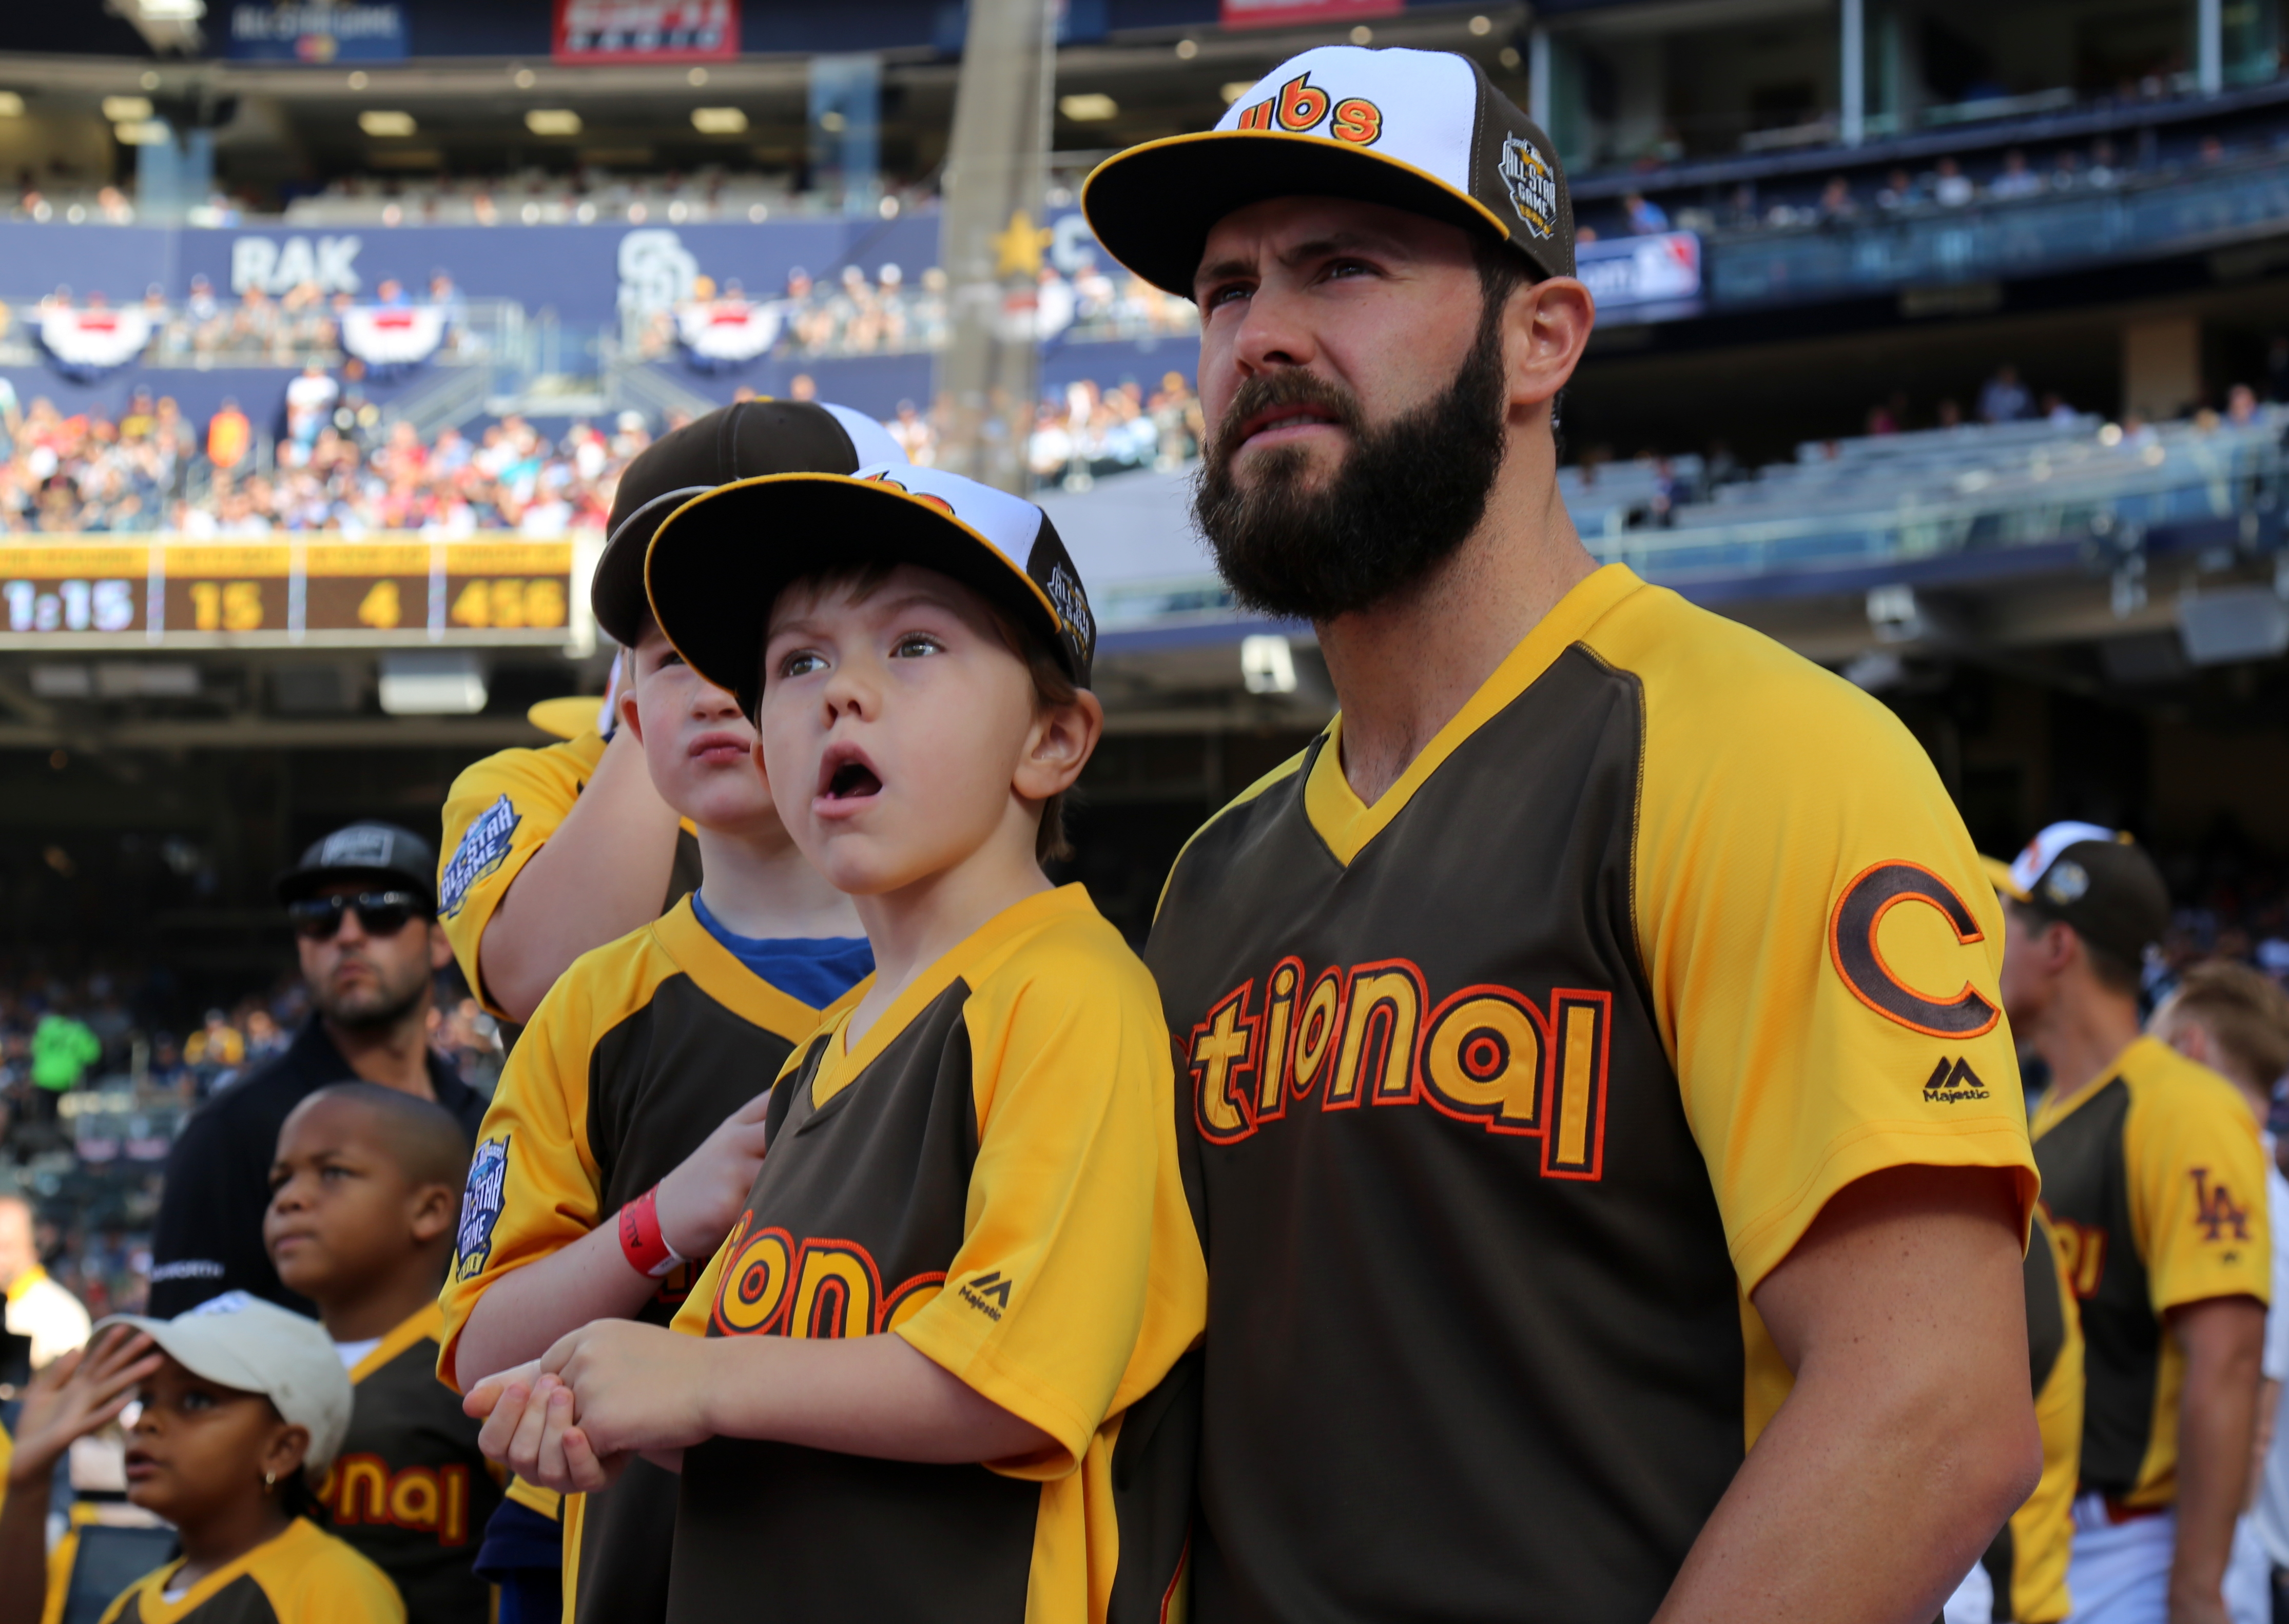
[712, 600]
[363, 851]
[2095, 878]
[1422, 130]
[734, 443]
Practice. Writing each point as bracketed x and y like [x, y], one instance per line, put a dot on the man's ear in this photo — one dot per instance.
[1545, 329]
[1062, 739]
[440, 947]
[435, 1209]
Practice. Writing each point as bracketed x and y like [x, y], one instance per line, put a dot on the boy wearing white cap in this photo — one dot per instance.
[241, 1405]
[937, 1370]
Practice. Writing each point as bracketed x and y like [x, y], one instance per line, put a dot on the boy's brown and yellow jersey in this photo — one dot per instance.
[989, 1173]
[500, 811]
[2027, 1564]
[639, 1052]
[411, 1489]
[2154, 1178]
[304, 1576]
[1500, 1096]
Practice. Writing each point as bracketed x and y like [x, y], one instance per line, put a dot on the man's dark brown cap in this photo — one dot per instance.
[2095, 878]
[733, 443]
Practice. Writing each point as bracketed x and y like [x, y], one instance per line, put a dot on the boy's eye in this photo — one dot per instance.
[801, 663]
[916, 646]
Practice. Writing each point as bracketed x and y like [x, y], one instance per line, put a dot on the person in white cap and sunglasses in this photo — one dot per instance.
[1552, 1034]
[240, 1409]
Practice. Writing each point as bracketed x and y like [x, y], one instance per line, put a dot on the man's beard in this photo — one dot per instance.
[1401, 502]
[370, 1010]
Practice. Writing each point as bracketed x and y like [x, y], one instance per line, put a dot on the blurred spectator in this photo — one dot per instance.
[1646, 217]
[216, 1048]
[2016, 180]
[229, 437]
[2003, 398]
[310, 402]
[1836, 204]
[62, 1050]
[37, 1306]
[1899, 191]
[1952, 189]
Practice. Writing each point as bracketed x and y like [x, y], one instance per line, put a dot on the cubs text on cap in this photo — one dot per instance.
[733, 443]
[713, 599]
[1422, 130]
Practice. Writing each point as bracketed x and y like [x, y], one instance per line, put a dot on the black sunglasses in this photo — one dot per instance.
[380, 914]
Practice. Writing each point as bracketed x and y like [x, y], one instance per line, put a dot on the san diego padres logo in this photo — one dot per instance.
[1852, 930]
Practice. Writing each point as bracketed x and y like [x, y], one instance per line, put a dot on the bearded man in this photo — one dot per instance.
[364, 910]
[1593, 1084]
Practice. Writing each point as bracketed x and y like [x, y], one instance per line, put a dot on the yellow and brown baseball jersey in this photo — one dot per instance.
[497, 814]
[637, 1054]
[304, 1576]
[411, 1489]
[1501, 1096]
[990, 1173]
[2154, 1179]
[2027, 1564]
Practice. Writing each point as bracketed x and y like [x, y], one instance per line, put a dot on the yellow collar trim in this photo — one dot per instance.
[841, 1065]
[1348, 825]
[428, 1320]
[722, 977]
[157, 1610]
[25, 1282]
[2054, 1111]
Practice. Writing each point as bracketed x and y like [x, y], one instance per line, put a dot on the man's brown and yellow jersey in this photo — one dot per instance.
[638, 1052]
[2154, 1178]
[2027, 1564]
[1501, 1096]
[304, 1576]
[500, 811]
[411, 1488]
[990, 1173]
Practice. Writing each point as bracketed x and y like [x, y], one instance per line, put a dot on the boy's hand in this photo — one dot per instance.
[569, 1421]
[699, 1202]
[80, 1393]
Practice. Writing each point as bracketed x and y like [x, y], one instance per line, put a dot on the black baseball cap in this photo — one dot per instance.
[2095, 878]
[733, 443]
[383, 852]
[1422, 130]
[713, 599]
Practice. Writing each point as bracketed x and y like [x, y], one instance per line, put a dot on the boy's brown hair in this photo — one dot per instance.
[2244, 1011]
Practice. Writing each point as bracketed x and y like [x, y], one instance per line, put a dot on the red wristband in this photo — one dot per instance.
[642, 1243]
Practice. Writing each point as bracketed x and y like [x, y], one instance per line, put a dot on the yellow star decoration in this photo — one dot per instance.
[1020, 247]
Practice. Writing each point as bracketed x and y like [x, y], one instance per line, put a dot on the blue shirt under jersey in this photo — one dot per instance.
[815, 970]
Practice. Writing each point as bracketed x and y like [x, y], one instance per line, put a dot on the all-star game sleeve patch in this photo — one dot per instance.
[480, 1209]
[479, 854]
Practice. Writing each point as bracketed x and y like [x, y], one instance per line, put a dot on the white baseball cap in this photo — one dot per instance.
[243, 1342]
[1422, 130]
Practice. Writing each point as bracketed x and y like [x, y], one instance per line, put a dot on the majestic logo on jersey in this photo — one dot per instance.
[1952, 1081]
[2082, 1251]
[1302, 107]
[1369, 1033]
[360, 1488]
[988, 1293]
[774, 1286]
[480, 1209]
[1852, 929]
[2216, 1210]
[1533, 187]
[478, 854]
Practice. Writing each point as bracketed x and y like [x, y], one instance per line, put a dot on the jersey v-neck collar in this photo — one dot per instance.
[428, 1320]
[156, 1609]
[2047, 1117]
[719, 974]
[843, 1062]
[1347, 826]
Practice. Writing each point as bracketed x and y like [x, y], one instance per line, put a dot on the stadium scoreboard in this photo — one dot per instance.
[261, 592]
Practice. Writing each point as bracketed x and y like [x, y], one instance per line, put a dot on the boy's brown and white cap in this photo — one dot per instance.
[1422, 130]
[714, 599]
[240, 1341]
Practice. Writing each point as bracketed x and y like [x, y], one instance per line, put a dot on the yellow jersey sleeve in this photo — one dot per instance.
[2195, 1169]
[1078, 1270]
[329, 1584]
[500, 811]
[534, 1186]
[1823, 945]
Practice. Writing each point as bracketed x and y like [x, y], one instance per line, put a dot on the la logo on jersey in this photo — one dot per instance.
[2216, 1210]
[1302, 107]
[1533, 188]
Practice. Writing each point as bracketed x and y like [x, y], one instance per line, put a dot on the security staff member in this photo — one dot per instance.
[364, 923]
[1558, 1033]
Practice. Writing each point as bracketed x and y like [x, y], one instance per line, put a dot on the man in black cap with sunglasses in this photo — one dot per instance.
[364, 916]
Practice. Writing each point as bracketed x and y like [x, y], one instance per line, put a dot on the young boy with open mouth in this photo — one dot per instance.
[937, 1370]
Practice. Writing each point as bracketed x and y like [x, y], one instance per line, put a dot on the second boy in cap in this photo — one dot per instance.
[968, 1248]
